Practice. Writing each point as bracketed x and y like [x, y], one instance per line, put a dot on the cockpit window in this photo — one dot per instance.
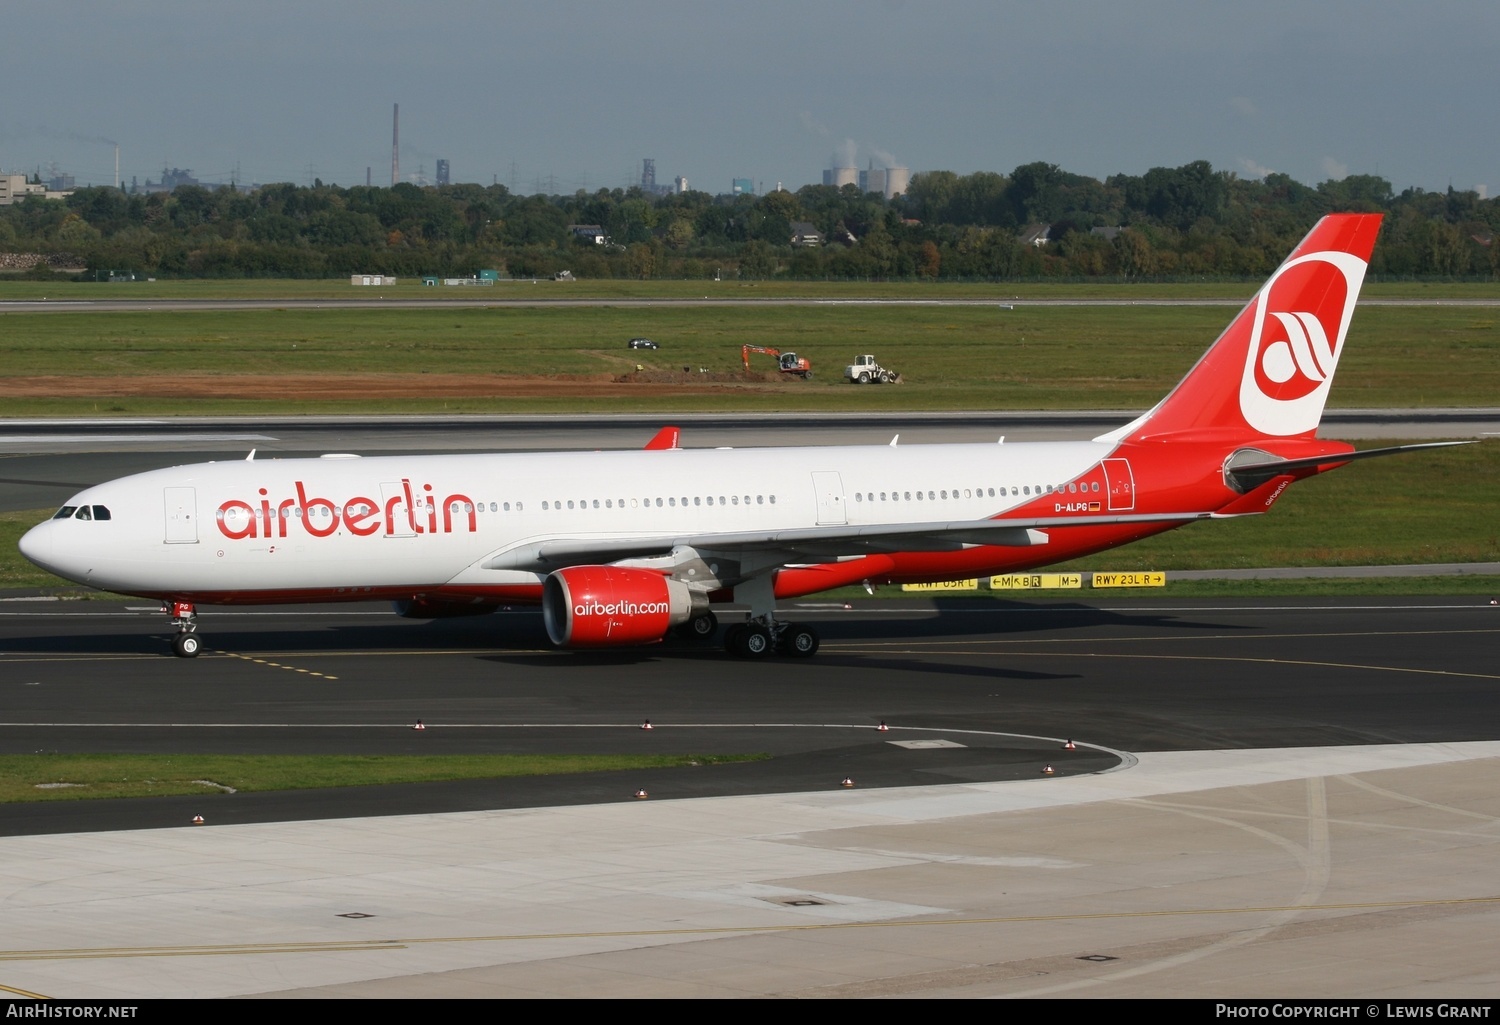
[66, 512]
[101, 512]
[83, 513]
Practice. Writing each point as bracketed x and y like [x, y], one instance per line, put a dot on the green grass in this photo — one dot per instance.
[953, 358]
[34, 777]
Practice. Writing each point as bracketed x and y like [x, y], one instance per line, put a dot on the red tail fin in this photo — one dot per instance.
[1269, 373]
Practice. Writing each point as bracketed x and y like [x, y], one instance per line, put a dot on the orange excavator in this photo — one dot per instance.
[786, 362]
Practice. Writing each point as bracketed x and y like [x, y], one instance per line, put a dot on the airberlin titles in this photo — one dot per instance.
[360, 516]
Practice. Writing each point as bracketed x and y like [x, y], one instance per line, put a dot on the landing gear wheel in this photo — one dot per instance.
[799, 641]
[756, 641]
[186, 645]
[732, 640]
[750, 640]
[701, 627]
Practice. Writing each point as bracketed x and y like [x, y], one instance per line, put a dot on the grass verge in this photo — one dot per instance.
[52, 777]
[537, 360]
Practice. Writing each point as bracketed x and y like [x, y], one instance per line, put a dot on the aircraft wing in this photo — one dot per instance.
[815, 543]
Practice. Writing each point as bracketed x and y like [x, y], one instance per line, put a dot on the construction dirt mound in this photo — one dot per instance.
[351, 387]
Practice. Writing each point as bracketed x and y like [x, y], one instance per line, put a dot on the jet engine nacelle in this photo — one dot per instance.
[435, 608]
[604, 606]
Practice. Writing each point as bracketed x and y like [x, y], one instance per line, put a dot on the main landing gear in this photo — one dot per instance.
[757, 639]
[185, 619]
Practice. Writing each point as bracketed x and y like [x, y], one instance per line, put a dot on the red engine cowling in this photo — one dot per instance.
[605, 606]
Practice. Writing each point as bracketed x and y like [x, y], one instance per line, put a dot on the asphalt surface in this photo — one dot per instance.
[1002, 682]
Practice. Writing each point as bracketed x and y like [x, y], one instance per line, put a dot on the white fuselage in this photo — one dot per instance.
[371, 525]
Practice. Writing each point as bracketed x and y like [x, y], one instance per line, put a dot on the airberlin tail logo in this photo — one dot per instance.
[1301, 317]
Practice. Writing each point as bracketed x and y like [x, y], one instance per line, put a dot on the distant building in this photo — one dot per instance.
[371, 279]
[742, 187]
[805, 235]
[680, 184]
[888, 181]
[1036, 235]
[442, 172]
[15, 187]
[838, 177]
[648, 180]
[170, 179]
[589, 233]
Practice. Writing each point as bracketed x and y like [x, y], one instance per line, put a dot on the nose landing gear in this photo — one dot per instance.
[184, 618]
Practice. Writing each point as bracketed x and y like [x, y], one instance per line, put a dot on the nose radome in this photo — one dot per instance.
[36, 544]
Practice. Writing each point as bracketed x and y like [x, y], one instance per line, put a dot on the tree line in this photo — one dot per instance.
[1188, 222]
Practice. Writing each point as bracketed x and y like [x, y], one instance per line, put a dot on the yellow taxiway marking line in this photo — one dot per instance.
[1168, 658]
[24, 993]
[1247, 636]
[86, 953]
[273, 665]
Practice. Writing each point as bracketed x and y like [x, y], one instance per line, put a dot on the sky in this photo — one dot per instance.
[566, 94]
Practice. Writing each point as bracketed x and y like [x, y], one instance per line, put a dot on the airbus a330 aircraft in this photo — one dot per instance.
[620, 548]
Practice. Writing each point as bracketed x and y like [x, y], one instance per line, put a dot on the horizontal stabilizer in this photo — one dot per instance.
[1251, 475]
